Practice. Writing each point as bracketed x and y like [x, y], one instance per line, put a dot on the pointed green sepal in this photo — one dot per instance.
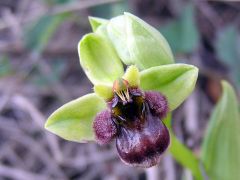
[95, 22]
[99, 60]
[73, 121]
[175, 81]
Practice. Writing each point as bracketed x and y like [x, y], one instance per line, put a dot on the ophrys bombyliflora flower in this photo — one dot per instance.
[130, 106]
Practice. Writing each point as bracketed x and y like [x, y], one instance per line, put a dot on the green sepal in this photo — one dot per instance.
[175, 81]
[102, 31]
[95, 22]
[99, 60]
[138, 43]
[73, 121]
[116, 29]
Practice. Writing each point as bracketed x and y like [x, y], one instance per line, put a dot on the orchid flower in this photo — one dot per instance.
[129, 104]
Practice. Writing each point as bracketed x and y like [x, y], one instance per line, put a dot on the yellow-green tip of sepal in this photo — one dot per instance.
[132, 75]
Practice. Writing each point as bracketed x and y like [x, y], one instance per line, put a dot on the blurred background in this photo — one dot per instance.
[39, 72]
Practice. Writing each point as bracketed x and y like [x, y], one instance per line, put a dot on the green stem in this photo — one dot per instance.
[185, 157]
[183, 154]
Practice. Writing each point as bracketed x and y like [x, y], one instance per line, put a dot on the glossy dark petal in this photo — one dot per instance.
[143, 145]
[157, 102]
[104, 128]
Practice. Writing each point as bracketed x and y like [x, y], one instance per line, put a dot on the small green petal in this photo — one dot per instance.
[175, 81]
[95, 22]
[73, 121]
[132, 75]
[103, 91]
[99, 60]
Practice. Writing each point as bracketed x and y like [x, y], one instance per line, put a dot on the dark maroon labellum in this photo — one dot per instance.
[141, 136]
